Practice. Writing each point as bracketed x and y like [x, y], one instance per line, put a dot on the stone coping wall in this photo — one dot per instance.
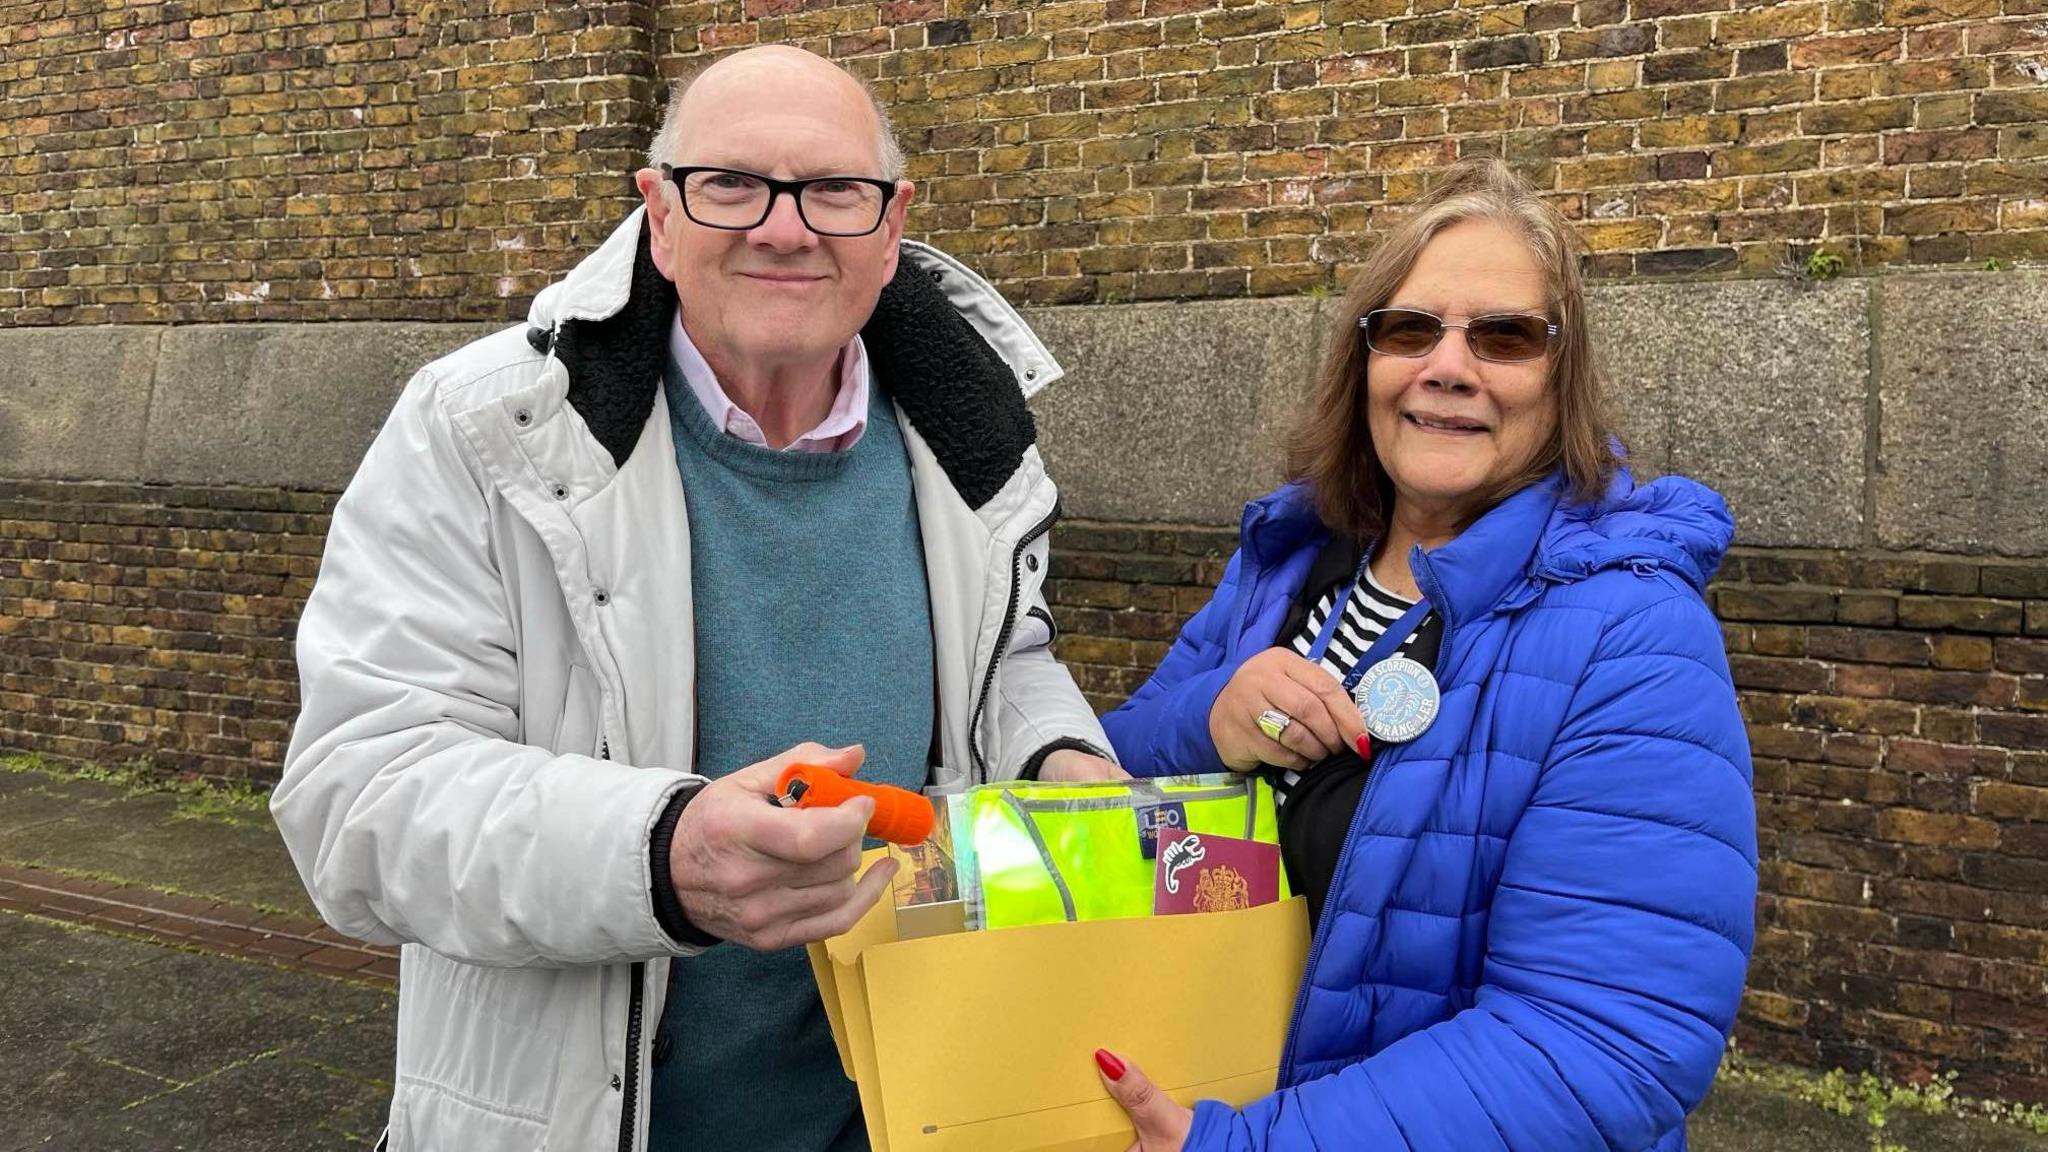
[1905, 411]
[229, 160]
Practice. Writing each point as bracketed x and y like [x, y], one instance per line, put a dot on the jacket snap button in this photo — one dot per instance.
[603, 597]
[1031, 562]
[522, 417]
[561, 491]
[937, 275]
[615, 1082]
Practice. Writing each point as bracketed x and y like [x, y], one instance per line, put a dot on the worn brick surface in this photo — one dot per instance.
[368, 159]
[224, 160]
[154, 622]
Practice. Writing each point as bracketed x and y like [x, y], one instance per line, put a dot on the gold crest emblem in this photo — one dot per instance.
[1222, 889]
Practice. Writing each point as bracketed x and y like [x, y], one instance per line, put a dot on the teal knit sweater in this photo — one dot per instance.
[813, 623]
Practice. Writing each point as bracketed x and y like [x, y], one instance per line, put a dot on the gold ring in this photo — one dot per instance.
[1273, 722]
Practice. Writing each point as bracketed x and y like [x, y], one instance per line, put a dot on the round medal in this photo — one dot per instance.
[1398, 699]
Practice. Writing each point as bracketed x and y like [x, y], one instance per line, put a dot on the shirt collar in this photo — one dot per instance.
[841, 428]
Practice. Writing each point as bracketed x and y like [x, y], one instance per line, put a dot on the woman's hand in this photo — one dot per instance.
[1162, 1124]
[1322, 720]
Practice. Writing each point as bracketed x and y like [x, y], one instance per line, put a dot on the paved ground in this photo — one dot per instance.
[118, 1044]
[198, 871]
[167, 988]
[168, 985]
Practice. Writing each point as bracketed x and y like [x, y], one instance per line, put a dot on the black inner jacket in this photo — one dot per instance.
[1319, 808]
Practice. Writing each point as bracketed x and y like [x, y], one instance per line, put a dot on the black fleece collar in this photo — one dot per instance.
[955, 389]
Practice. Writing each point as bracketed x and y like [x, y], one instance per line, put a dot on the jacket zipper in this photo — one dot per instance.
[1374, 773]
[988, 679]
[629, 1102]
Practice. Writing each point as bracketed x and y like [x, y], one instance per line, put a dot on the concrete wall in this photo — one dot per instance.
[1908, 411]
[1900, 412]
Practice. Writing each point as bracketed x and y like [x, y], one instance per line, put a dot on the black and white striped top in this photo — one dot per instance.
[1369, 611]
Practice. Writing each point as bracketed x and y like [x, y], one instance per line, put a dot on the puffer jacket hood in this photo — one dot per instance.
[1535, 536]
[1677, 524]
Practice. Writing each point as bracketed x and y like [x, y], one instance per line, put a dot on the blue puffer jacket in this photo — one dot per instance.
[1537, 935]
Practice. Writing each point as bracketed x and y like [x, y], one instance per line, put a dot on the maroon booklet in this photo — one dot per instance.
[1197, 872]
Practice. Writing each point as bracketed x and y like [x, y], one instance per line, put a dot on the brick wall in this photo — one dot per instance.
[1176, 148]
[154, 622]
[1898, 711]
[233, 160]
[363, 159]
[1898, 717]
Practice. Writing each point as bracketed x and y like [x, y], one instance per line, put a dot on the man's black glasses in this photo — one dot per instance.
[735, 200]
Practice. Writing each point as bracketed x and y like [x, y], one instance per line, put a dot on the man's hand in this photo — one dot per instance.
[1069, 765]
[1161, 1124]
[767, 877]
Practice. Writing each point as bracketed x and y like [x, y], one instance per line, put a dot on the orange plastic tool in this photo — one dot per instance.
[901, 816]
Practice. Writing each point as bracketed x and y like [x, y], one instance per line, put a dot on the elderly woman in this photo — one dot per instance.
[1474, 655]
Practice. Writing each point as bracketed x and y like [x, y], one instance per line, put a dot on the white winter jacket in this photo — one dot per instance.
[497, 674]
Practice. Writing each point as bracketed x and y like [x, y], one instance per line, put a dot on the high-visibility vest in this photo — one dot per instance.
[1039, 853]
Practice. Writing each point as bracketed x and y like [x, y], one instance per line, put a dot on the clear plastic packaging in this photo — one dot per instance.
[1030, 852]
[928, 874]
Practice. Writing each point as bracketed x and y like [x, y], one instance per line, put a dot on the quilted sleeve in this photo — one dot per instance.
[1163, 729]
[410, 806]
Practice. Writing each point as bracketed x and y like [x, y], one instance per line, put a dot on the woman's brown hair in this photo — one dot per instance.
[1331, 446]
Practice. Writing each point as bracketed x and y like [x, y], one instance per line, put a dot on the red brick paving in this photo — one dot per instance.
[339, 959]
[194, 922]
[284, 947]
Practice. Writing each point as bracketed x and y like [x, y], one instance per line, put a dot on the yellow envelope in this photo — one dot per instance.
[983, 1041]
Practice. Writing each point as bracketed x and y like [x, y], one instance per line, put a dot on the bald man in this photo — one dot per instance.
[756, 484]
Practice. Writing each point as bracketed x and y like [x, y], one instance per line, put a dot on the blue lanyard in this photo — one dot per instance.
[1388, 641]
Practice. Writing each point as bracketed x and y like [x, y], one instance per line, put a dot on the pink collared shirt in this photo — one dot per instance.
[840, 430]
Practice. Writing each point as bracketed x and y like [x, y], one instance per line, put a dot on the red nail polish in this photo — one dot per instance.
[1364, 746]
[1110, 1065]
